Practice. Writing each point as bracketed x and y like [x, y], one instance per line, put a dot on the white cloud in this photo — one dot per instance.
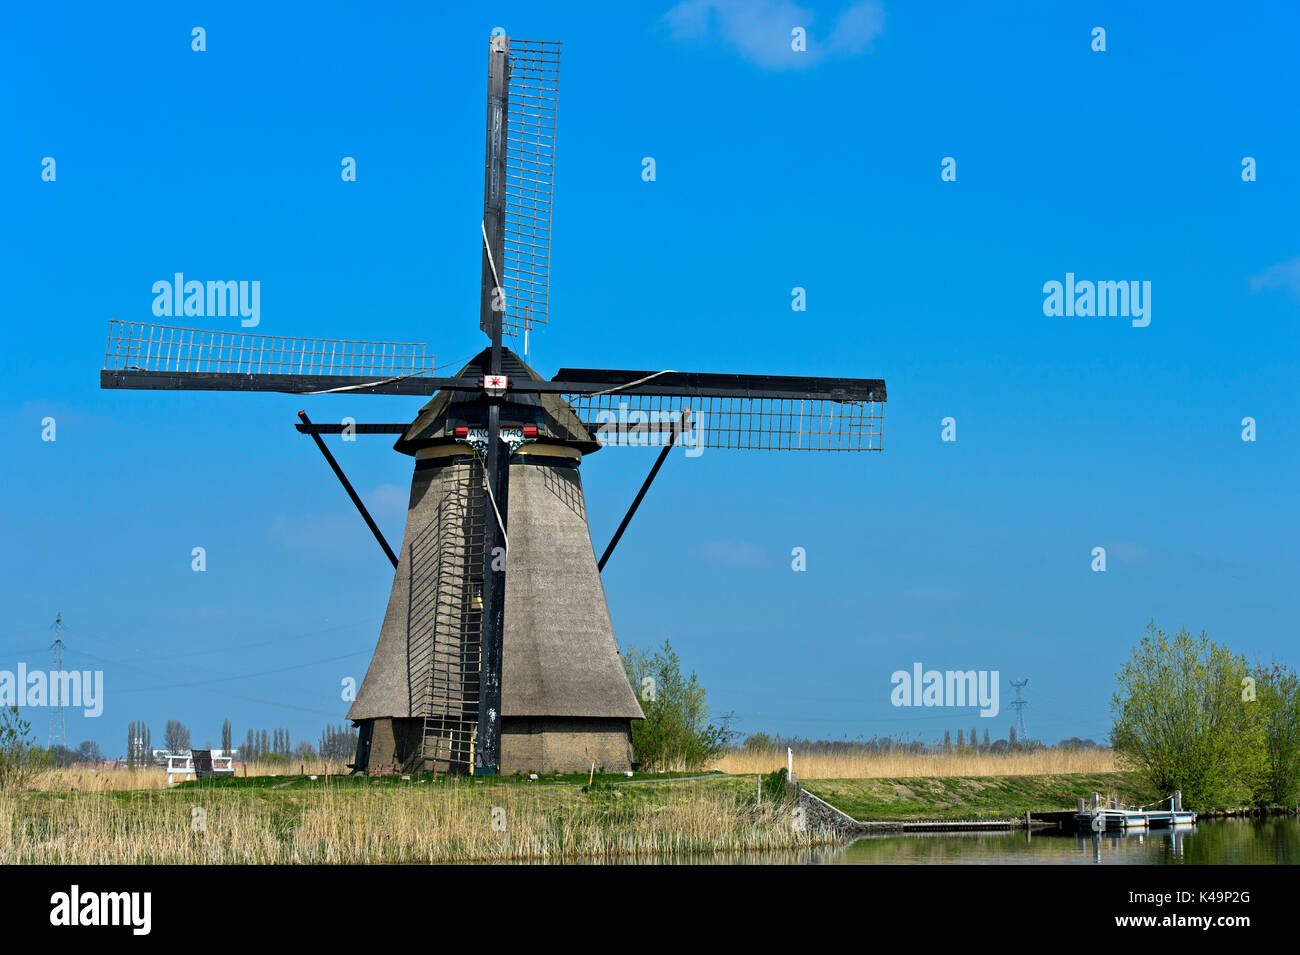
[388, 502]
[1283, 275]
[725, 553]
[318, 534]
[761, 29]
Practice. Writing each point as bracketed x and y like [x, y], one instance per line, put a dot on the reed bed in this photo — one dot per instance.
[83, 778]
[808, 765]
[398, 825]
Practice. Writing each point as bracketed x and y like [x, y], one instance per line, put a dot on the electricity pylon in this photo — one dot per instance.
[1020, 705]
[58, 730]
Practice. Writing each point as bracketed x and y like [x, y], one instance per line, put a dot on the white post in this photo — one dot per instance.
[789, 761]
[759, 778]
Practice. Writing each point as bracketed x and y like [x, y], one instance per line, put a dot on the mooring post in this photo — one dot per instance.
[1080, 803]
[1178, 800]
[789, 761]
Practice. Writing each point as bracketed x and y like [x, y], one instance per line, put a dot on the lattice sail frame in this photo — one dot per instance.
[755, 424]
[534, 85]
[139, 346]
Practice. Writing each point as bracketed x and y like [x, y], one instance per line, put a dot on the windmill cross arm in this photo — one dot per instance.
[587, 381]
[147, 380]
[386, 428]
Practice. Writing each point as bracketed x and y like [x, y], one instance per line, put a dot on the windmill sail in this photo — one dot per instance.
[528, 168]
[530, 180]
[146, 356]
[749, 412]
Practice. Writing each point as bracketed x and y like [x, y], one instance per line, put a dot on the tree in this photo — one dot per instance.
[1180, 717]
[947, 739]
[1277, 691]
[20, 758]
[139, 744]
[89, 752]
[60, 756]
[1011, 738]
[676, 731]
[961, 739]
[974, 740]
[227, 738]
[338, 743]
[176, 737]
[759, 743]
[986, 739]
[304, 752]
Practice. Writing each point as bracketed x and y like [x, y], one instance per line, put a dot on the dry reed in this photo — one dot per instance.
[85, 778]
[808, 765]
[399, 825]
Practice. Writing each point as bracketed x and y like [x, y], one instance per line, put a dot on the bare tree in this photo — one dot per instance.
[176, 737]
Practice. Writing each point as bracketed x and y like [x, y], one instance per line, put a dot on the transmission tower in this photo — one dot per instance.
[58, 731]
[1020, 705]
[726, 719]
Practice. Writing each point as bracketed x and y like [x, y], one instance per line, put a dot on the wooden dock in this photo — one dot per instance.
[1105, 818]
[943, 825]
[1100, 820]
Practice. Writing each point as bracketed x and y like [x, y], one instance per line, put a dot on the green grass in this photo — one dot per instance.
[971, 797]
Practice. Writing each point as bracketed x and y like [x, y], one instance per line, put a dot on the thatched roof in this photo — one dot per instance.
[448, 409]
[560, 655]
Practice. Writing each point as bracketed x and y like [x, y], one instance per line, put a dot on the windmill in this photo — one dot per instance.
[476, 671]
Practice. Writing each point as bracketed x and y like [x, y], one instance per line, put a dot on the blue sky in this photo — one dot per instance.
[774, 169]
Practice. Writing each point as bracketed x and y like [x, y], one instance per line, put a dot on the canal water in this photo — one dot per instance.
[1211, 842]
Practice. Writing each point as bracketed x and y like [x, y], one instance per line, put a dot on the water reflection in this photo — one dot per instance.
[1214, 842]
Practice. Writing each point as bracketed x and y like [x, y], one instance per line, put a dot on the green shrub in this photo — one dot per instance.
[675, 733]
[1181, 719]
[20, 758]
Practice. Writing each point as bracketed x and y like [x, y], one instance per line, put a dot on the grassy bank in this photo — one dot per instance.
[295, 820]
[971, 797]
